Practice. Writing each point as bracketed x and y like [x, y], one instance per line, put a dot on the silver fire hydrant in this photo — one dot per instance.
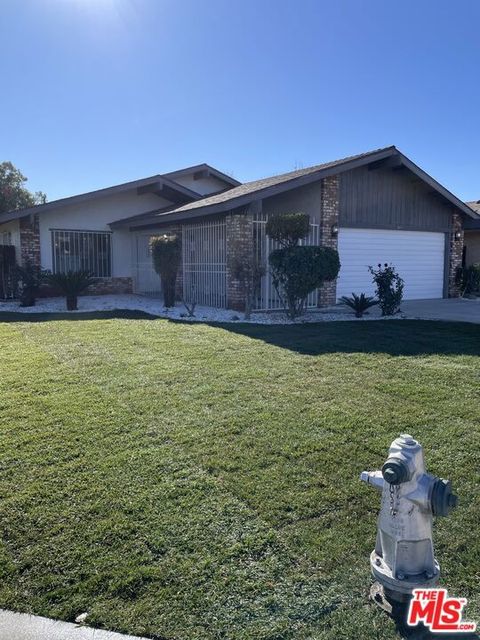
[403, 558]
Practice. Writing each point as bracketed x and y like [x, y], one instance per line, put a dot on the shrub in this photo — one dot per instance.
[71, 284]
[297, 271]
[249, 272]
[166, 255]
[30, 278]
[468, 279]
[8, 271]
[389, 288]
[288, 228]
[359, 304]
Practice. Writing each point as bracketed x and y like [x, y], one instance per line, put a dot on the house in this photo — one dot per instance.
[373, 207]
[472, 237]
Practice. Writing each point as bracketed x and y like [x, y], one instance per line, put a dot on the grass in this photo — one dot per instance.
[190, 481]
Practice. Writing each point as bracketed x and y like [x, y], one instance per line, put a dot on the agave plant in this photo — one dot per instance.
[71, 284]
[359, 304]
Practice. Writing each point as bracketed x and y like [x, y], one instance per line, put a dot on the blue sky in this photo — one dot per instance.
[98, 92]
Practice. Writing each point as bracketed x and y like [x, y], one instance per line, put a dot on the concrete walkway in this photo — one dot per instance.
[454, 309]
[21, 626]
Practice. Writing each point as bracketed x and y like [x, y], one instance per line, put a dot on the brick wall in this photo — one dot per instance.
[328, 218]
[456, 253]
[30, 239]
[103, 286]
[239, 247]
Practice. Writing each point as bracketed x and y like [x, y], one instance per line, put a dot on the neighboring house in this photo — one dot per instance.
[374, 207]
[472, 237]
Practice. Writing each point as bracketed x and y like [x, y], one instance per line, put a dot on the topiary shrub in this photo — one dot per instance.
[468, 279]
[297, 271]
[166, 255]
[288, 228]
[71, 284]
[30, 278]
[389, 288]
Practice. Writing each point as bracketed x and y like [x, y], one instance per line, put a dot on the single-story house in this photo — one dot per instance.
[374, 207]
[472, 236]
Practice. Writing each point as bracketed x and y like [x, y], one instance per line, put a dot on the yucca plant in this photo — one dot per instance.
[359, 304]
[71, 284]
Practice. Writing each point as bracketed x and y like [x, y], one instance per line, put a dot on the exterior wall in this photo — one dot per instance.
[472, 243]
[13, 228]
[95, 216]
[239, 247]
[305, 199]
[455, 255]
[390, 199]
[203, 186]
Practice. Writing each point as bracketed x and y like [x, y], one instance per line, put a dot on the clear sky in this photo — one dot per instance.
[98, 92]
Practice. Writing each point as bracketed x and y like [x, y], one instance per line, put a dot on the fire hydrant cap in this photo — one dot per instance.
[395, 471]
[443, 500]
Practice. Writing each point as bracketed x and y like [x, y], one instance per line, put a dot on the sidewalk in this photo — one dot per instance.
[22, 626]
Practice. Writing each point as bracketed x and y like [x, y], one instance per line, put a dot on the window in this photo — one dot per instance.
[82, 250]
[6, 237]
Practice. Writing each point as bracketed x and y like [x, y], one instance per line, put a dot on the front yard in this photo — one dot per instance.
[190, 481]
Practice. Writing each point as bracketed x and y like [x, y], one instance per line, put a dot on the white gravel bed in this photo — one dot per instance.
[154, 306]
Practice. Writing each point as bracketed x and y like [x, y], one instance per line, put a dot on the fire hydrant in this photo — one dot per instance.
[403, 558]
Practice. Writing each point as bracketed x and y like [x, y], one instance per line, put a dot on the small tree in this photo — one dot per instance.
[389, 288]
[71, 284]
[166, 254]
[297, 271]
[249, 272]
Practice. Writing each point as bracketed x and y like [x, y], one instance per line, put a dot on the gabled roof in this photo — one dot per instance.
[248, 192]
[165, 182]
[473, 224]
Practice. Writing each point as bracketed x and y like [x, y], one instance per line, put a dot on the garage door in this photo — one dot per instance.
[418, 257]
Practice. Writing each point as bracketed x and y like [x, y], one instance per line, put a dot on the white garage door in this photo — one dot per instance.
[418, 257]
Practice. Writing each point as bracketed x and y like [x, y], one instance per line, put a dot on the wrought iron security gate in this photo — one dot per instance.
[204, 249]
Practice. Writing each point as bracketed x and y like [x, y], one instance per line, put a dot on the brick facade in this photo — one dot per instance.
[328, 218]
[239, 247]
[455, 255]
[30, 239]
[103, 286]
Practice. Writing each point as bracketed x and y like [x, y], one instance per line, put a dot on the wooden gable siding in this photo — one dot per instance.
[390, 199]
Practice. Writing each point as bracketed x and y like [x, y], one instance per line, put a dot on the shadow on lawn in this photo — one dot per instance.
[394, 337]
[14, 316]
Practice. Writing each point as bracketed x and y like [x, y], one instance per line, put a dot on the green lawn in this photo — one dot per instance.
[190, 481]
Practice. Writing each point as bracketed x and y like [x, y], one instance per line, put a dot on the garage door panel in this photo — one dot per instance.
[418, 257]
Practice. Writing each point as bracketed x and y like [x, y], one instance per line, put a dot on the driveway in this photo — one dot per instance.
[453, 309]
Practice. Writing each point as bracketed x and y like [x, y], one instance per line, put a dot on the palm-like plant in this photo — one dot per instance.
[71, 284]
[359, 304]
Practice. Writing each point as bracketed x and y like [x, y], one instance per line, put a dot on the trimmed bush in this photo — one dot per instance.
[297, 271]
[288, 228]
[71, 284]
[389, 288]
[468, 279]
[30, 278]
[166, 255]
